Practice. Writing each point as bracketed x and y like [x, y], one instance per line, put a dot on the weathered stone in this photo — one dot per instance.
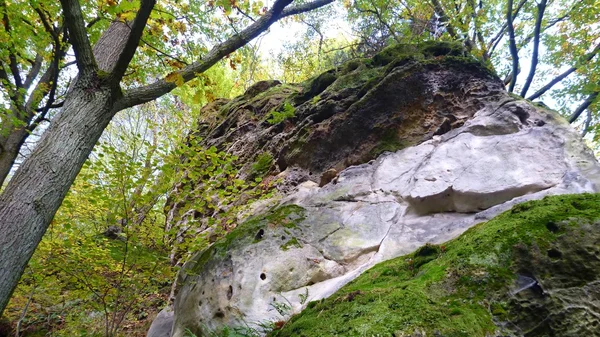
[464, 152]
[162, 324]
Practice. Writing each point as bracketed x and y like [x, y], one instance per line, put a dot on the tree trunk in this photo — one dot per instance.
[34, 194]
[9, 150]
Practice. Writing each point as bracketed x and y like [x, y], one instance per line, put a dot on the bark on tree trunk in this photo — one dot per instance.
[9, 150]
[33, 195]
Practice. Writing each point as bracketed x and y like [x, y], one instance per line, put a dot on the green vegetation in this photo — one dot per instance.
[262, 165]
[293, 242]
[460, 288]
[287, 111]
[390, 141]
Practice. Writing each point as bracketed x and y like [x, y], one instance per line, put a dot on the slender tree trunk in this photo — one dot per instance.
[34, 194]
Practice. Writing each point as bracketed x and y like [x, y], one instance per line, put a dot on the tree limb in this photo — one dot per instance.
[163, 86]
[562, 76]
[536, 44]
[12, 59]
[306, 7]
[588, 101]
[33, 72]
[444, 18]
[78, 37]
[513, 46]
[137, 29]
[494, 41]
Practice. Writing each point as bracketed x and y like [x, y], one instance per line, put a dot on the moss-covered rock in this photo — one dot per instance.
[531, 271]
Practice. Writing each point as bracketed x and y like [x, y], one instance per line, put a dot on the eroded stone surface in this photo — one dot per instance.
[468, 152]
[388, 207]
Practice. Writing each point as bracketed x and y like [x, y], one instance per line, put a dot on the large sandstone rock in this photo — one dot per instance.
[532, 271]
[468, 151]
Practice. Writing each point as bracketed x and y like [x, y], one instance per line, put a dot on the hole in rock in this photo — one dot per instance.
[259, 235]
[552, 226]
[219, 314]
[554, 253]
[263, 276]
[229, 292]
[283, 237]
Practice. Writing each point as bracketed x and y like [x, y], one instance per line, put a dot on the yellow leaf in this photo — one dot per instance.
[176, 78]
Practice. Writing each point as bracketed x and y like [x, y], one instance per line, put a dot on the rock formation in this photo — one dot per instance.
[410, 148]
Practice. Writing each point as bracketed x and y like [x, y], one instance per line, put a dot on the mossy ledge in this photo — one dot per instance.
[520, 274]
[251, 231]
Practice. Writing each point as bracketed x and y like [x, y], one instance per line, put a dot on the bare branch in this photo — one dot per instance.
[513, 46]
[562, 76]
[137, 29]
[245, 14]
[163, 86]
[536, 44]
[33, 72]
[78, 36]
[163, 53]
[306, 7]
[496, 39]
[444, 18]
[588, 101]
[377, 13]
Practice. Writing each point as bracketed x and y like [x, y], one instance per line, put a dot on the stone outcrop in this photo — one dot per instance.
[424, 142]
[532, 271]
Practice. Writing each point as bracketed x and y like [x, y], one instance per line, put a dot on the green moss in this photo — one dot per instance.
[455, 289]
[356, 79]
[465, 63]
[389, 141]
[393, 52]
[442, 48]
[293, 242]
[354, 64]
[251, 231]
[262, 165]
[315, 86]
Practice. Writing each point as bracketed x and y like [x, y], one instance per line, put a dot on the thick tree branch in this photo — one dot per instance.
[161, 87]
[78, 37]
[513, 46]
[588, 101]
[306, 7]
[568, 72]
[33, 72]
[137, 29]
[536, 44]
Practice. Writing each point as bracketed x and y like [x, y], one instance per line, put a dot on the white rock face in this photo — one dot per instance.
[507, 153]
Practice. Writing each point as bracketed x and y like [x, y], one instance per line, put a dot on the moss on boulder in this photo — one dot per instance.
[531, 271]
